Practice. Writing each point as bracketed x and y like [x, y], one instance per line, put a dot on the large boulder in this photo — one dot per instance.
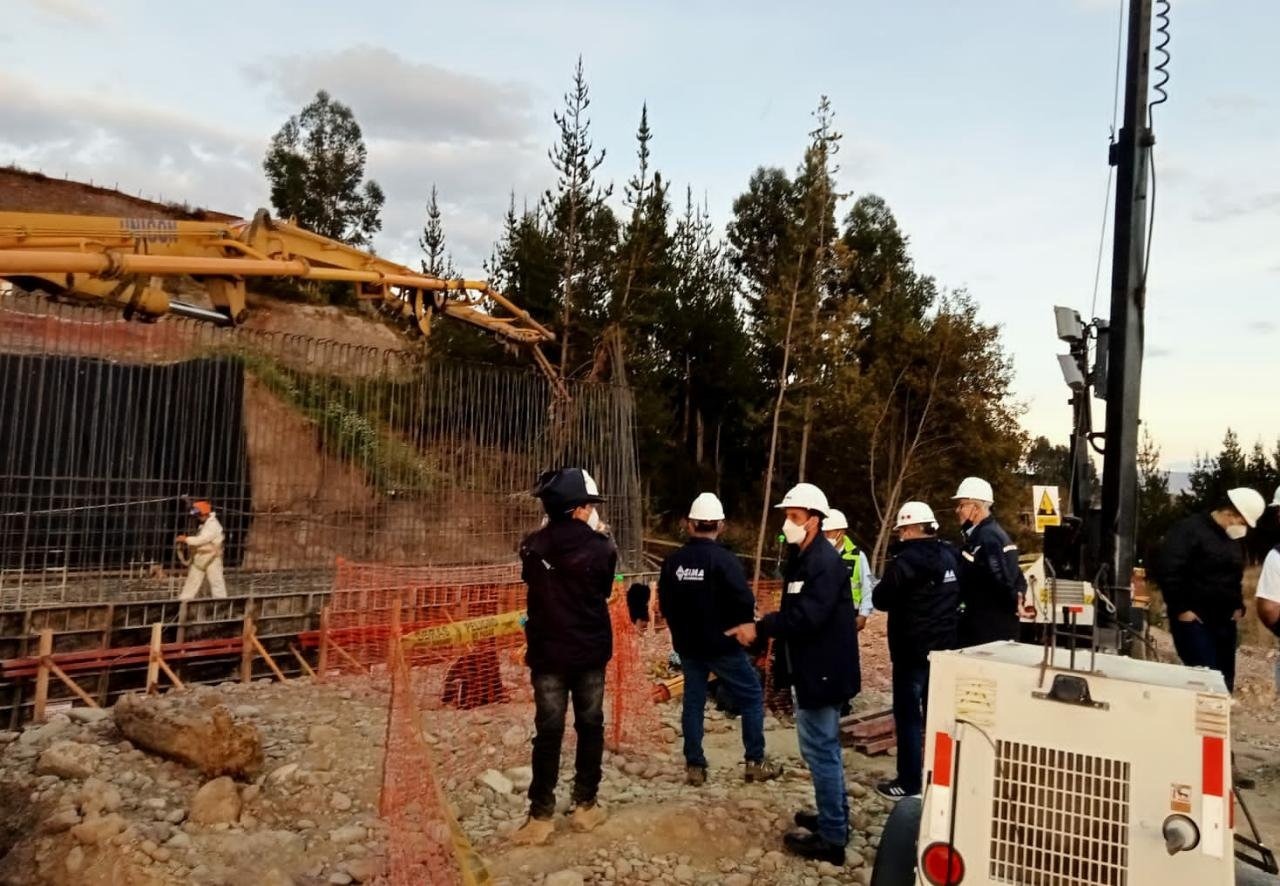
[216, 802]
[179, 728]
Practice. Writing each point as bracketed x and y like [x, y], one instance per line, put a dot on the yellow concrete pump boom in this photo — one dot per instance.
[121, 260]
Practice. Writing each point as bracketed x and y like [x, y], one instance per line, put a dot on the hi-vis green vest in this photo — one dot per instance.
[849, 553]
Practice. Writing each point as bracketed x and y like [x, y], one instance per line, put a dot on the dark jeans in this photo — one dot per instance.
[819, 733]
[551, 693]
[1207, 645]
[737, 672]
[910, 702]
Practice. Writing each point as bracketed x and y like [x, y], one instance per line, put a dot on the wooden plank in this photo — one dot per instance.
[878, 746]
[322, 663]
[302, 661]
[154, 657]
[42, 675]
[246, 650]
[72, 685]
[271, 662]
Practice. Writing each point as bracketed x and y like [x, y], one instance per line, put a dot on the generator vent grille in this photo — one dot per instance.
[1059, 818]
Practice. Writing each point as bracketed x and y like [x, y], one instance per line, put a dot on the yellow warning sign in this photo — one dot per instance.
[1045, 505]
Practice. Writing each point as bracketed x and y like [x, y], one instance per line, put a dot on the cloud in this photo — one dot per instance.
[1262, 327]
[1220, 207]
[140, 147]
[1157, 353]
[397, 98]
[73, 12]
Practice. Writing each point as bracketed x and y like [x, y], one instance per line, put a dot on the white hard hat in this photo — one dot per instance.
[808, 496]
[1249, 503]
[706, 507]
[914, 512]
[975, 488]
[1275, 502]
[835, 520]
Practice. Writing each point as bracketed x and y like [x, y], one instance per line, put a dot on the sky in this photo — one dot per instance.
[984, 125]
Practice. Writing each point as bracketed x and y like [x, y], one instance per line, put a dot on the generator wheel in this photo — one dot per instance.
[896, 857]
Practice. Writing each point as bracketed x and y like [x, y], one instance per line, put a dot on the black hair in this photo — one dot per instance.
[705, 525]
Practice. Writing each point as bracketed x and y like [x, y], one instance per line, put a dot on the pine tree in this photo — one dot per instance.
[436, 261]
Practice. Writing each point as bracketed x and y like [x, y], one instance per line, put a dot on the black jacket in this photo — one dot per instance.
[990, 582]
[1199, 568]
[921, 592]
[816, 630]
[569, 569]
[703, 592]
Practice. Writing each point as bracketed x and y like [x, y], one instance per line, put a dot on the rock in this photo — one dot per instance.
[521, 777]
[179, 840]
[54, 726]
[87, 715]
[858, 790]
[282, 773]
[250, 793]
[363, 870]
[622, 868]
[318, 759]
[684, 874]
[323, 734]
[93, 831]
[854, 859]
[737, 880]
[69, 759]
[564, 878]
[496, 781]
[63, 818]
[156, 803]
[276, 877]
[515, 736]
[216, 802]
[352, 833]
[74, 860]
[827, 869]
[246, 711]
[208, 739]
[7, 737]
[340, 878]
[340, 801]
[175, 816]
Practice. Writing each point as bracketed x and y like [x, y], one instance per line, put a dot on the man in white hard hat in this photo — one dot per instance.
[206, 554]
[862, 581]
[568, 565]
[815, 636]
[702, 593]
[1200, 571]
[992, 586]
[921, 593]
[1268, 594]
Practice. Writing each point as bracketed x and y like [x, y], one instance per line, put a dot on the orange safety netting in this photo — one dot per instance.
[451, 640]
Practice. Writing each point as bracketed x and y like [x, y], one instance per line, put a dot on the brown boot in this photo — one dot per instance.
[534, 832]
[695, 775]
[587, 818]
[762, 770]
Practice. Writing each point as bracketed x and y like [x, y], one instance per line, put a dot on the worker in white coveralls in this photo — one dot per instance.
[206, 554]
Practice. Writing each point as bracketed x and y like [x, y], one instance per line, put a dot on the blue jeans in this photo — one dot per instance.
[1210, 644]
[551, 696]
[819, 732]
[737, 672]
[910, 700]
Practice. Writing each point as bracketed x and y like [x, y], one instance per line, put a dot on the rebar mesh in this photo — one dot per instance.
[309, 449]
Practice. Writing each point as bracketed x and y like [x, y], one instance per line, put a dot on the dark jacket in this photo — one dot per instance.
[569, 569]
[703, 592]
[1199, 568]
[816, 629]
[990, 582]
[921, 592]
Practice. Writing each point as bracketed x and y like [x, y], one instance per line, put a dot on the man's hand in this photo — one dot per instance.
[1188, 616]
[862, 622]
[1026, 607]
[182, 538]
[1238, 614]
[744, 633]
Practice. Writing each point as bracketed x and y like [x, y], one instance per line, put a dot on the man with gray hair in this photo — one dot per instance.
[992, 586]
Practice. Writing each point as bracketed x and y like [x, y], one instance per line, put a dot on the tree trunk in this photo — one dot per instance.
[207, 739]
[699, 437]
[804, 436]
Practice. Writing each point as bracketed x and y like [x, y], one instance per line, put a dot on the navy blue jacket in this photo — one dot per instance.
[703, 592]
[990, 582]
[815, 632]
[569, 569]
[921, 592]
[1201, 569]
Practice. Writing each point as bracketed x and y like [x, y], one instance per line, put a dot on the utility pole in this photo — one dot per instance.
[1129, 155]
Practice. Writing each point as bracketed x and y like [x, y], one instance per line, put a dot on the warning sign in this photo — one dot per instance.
[1044, 501]
[1180, 798]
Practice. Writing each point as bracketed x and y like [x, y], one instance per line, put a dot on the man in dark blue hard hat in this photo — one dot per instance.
[568, 566]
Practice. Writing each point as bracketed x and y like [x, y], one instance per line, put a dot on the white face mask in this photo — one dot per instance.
[594, 521]
[792, 533]
[1235, 531]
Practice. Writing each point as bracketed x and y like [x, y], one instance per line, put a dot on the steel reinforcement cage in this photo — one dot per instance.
[310, 450]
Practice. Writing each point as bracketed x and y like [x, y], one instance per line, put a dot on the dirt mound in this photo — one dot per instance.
[22, 191]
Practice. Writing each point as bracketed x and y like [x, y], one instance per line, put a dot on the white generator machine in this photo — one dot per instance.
[1057, 767]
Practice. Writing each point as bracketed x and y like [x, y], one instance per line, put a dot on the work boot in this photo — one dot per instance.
[815, 847]
[587, 817]
[534, 832]
[807, 820]
[762, 770]
[695, 775]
